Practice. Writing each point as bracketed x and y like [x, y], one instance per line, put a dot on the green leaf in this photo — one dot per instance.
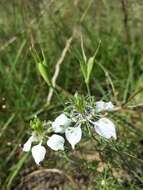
[43, 69]
[83, 68]
[90, 65]
[83, 52]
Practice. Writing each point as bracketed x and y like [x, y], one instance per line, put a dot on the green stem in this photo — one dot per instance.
[88, 89]
[57, 95]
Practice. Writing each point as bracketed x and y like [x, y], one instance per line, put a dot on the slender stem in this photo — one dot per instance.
[88, 89]
[56, 93]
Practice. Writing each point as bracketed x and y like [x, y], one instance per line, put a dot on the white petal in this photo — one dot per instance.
[109, 106]
[105, 128]
[100, 106]
[38, 153]
[73, 135]
[61, 123]
[58, 128]
[56, 142]
[104, 106]
[27, 145]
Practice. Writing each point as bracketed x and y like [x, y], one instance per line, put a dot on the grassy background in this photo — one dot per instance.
[45, 26]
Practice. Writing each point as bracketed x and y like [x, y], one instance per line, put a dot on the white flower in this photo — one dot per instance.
[56, 142]
[73, 135]
[38, 153]
[104, 106]
[61, 123]
[27, 145]
[105, 128]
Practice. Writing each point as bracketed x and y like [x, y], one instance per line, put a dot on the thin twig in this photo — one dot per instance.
[133, 95]
[86, 11]
[110, 81]
[10, 41]
[57, 67]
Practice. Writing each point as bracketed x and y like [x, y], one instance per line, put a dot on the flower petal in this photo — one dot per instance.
[27, 145]
[38, 153]
[100, 106]
[61, 123]
[109, 106]
[73, 135]
[105, 128]
[104, 106]
[56, 142]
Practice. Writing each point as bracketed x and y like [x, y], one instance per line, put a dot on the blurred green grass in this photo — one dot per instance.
[46, 25]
